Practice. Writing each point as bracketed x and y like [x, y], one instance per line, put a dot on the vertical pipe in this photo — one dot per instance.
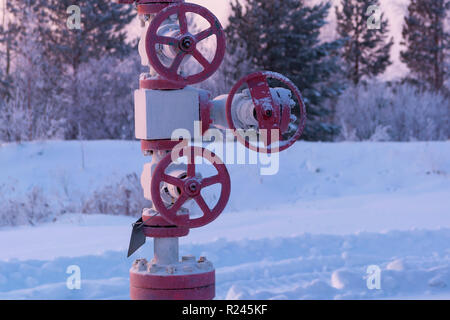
[165, 250]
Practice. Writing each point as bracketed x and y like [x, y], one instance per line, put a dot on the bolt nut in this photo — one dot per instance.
[188, 258]
[186, 43]
[204, 265]
[140, 264]
[171, 269]
[153, 268]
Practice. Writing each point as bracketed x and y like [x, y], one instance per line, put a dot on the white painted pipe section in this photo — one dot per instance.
[165, 250]
[218, 112]
[243, 109]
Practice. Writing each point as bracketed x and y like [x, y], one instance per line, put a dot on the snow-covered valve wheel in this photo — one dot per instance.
[190, 187]
[185, 44]
[278, 127]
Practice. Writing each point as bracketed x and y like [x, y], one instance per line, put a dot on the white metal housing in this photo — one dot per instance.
[158, 113]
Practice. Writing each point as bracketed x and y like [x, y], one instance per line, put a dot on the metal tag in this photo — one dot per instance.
[137, 239]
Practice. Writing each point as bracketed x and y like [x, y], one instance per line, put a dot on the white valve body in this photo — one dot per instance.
[158, 113]
[243, 109]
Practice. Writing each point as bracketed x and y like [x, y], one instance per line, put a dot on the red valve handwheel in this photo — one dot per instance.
[191, 187]
[186, 43]
[270, 115]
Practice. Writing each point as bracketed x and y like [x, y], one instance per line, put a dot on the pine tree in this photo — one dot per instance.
[64, 79]
[102, 33]
[427, 42]
[367, 51]
[283, 36]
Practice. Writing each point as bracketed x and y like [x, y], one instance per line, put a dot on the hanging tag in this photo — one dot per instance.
[137, 239]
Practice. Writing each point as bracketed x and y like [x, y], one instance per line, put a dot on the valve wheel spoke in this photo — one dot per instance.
[183, 21]
[177, 62]
[202, 204]
[268, 119]
[177, 205]
[206, 182]
[191, 189]
[188, 45]
[172, 180]
[191, 164]
[268, 140]
[204, 34]
[201, 58]
[166, 40]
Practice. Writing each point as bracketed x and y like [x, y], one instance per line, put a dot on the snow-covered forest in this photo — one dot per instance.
[57, 83]
[372, 167]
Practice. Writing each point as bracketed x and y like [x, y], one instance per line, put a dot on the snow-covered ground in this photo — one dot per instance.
[311, 231]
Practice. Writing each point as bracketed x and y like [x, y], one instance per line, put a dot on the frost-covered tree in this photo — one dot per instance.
[393, 112]
[101, 33]
[283, 36]
[4, 86]
[62, 80]
[10, 29]
[102, 30]
[29, 109]
[367, 50]
[427, 40]
[107, 100]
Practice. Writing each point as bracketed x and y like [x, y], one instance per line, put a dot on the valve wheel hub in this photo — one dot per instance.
[192, 187]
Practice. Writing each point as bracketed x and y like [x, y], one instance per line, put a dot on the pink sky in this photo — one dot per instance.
[220, 8]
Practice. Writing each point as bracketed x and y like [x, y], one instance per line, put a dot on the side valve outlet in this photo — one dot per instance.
[279, 121]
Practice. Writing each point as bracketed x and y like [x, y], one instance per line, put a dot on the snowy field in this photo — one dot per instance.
[309, 232]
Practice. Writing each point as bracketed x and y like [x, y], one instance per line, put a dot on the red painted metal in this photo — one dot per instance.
[205, 110]
[203, 293]
[270, 115]
[150, 6]
[285, 118]
[165, 232]
[157, 145]
[168, 281]
[263, 101]
[158, 1]
[191, 187]
[158, 227]
[154, 7]
[146, 286]
[140, 2]
[159, 84]
[186, 43]
[155, 221]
